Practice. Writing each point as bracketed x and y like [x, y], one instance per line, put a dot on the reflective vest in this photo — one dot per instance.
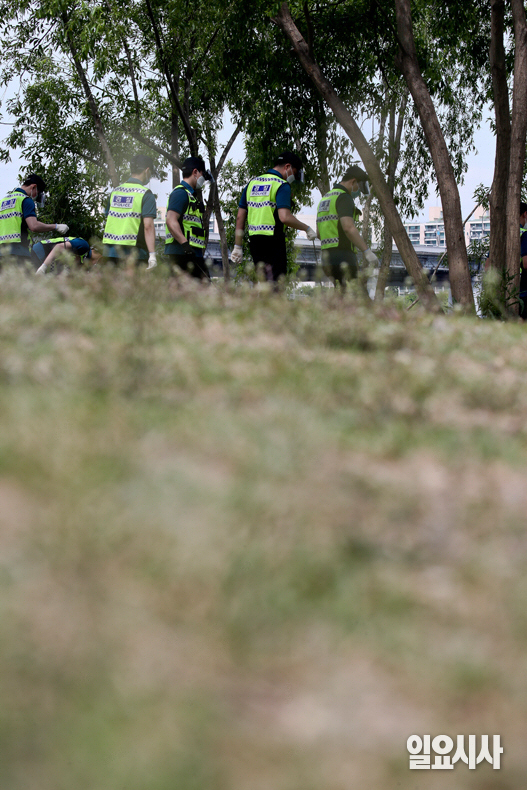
[191, 223]
[11, 217]
[124, 217]
[328, 219]
[261, 204]
[58, 240]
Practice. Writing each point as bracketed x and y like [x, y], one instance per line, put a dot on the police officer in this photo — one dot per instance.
[266, 205]
[339, 237]
[185, 235]
[18, 217]
[44, 252]
[523, 262]
[130, 211]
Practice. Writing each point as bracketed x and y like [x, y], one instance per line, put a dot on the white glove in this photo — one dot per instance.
[237, 254]
[42, 269]
[371, 257]
[152, 261]
[62, 229]
[311, 234]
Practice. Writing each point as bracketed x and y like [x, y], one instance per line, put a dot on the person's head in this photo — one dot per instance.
[195, 172]
[35, 188]
[523, 214]
[290, 166]
[142, 167]
[355, 180]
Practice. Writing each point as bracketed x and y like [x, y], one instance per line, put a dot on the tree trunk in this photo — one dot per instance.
[518, 134]
[223, 238]
[500, 89]
[285, 22]
[174, 147]
[460, 284]
[394, 150]
[99, 129]
[323, 182]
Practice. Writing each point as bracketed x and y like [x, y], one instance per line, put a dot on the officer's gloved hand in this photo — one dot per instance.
[62, 229]
[187, 249]
[237, 254]
[311, 234]
[371, 257]
[152, 261]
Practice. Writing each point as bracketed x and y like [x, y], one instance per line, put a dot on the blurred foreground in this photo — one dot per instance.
[254, 544]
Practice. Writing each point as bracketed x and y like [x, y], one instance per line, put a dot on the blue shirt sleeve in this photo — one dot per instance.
[28, 208]
[524, 244]
[148, 206]
[178, 201]
[283, 196]
[243, 199]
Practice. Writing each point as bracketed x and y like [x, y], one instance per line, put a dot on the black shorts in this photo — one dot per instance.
[340, 265]
[271, 251]
[191, 264]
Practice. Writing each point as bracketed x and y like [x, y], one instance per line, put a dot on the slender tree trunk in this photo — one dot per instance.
[460, 283]
[518, 134]
[223, 238]
[323, 182]
[99, 129]
[500, 89]
[172, 83]
[394, 149]
[285, 22]
[174, 147]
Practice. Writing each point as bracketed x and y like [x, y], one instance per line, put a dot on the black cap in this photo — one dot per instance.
[289, 158]
[38, 181]
[194, 163]
[354, 171]
[140, 162]
[523, 208]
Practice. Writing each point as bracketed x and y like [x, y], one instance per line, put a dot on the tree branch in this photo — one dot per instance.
[99, 129]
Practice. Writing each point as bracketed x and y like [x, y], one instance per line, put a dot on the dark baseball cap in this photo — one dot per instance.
[38, 181]
[354, 171]
[140, 162]
[289, 158]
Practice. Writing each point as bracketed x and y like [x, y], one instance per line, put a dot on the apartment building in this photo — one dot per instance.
[432, 233]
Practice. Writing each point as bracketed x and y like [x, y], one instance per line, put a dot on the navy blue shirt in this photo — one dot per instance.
[523, 276]
[148, 209]
[178, 201]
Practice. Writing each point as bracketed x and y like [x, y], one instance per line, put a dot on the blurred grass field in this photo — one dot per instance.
[252, 543]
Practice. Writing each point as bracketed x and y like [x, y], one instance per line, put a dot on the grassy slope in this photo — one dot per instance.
[253, 543]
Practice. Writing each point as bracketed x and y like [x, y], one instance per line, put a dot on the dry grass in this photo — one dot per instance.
[254, 543]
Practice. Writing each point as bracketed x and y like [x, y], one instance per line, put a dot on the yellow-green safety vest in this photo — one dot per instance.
[11, 217]
[192, 222]
[328, 219]
[124, 217]
[261, 204]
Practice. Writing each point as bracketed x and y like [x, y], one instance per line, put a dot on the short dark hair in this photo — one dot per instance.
[354, 171]
[140, 162]
[289, 158]
[523, 208]
[38, 181]
[192, 163]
